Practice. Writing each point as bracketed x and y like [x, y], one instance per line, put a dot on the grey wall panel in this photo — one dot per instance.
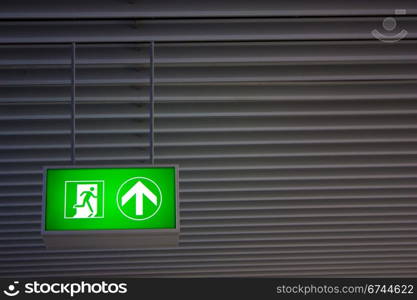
[297, 155]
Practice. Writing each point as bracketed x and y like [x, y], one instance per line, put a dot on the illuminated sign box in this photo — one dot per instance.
[112, 207]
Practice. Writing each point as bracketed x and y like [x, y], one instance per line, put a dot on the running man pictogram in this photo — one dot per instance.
[86, 200]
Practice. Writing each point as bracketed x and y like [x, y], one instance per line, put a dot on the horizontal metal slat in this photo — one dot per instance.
[104, 76]
[157, 9]
[209, 54]
[207, 110]
[306, 91]
[197, 30]
[404, 264]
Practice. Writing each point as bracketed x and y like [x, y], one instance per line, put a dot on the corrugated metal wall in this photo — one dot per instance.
[293, 127]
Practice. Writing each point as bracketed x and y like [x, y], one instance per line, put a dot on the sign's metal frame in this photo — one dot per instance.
[61, 234]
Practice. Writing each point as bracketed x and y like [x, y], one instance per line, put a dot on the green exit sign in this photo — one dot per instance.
[112, 207]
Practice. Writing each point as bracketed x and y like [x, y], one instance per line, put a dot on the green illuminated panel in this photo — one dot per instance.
[110, 198]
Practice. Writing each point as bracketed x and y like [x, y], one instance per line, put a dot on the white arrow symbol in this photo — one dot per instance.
[138, 190]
